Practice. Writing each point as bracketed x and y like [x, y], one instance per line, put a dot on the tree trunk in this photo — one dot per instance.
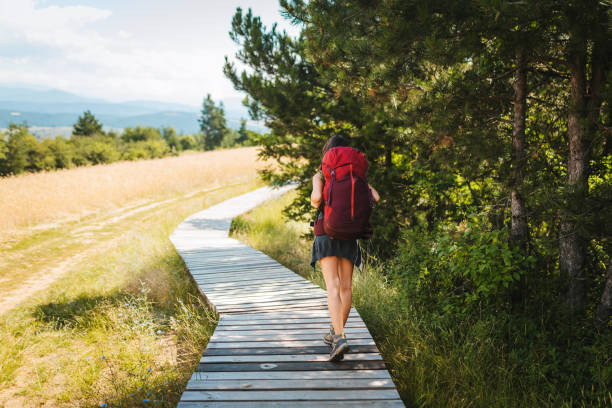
[388, 157]
[572, 247]
[599, 65]
[602, 315]
[518, 228]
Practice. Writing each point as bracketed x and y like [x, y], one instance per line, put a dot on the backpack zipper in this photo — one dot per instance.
[352, 194]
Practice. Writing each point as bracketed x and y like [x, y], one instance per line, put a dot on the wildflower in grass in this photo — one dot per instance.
[145, 400]
[148, 394]
[103, 404]
[166, 383]
[132, 394]
[159, 332]
[148, 369]
[102, 358]
[139, 388]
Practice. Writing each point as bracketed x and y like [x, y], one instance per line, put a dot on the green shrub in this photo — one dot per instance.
[95, 150]
[145, 149]
[462, 265]
[22, 150]
[45, 159]
[141, 133]
[187, 142]
[63, 153]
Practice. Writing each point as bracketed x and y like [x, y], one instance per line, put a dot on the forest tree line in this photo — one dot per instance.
[89, 144]
[487, 127]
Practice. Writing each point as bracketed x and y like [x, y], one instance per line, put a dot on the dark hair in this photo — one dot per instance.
[334, 141]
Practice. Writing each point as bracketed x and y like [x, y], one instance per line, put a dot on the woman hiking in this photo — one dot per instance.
[336, 256]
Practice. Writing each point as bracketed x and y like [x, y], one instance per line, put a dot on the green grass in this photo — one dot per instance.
[124, 324]
[434, 362]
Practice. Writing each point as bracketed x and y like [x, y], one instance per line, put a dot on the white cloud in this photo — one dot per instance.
[61, 47]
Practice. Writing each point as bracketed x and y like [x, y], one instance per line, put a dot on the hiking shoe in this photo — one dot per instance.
[339, 347]
[328, 339]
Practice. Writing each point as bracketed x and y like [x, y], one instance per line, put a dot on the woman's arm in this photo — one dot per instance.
[317, 191]
[374, 193]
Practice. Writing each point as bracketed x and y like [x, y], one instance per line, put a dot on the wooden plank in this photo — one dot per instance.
[280, 331]
[269, 290]
[244, 281]
[236, 271]
[282, 336]
[288, 308]
[285, 350]
[293, 395]
[265, 292]
[246, 303]
[314, 384]
[262, 288]
[297, 314]
[288, 375]
[242, 277]
[287, 304]
[273, 358]
[323, 320]
[266, 301]
[244, 256]
[275, 283]
[324, 326]
[390, 403]
[225, 266]
[281, 343]
[222, 266]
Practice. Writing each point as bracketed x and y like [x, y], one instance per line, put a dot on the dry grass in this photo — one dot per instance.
[124, 322]
[49, 197]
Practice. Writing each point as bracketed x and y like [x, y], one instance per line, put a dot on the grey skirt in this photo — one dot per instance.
[324, 246]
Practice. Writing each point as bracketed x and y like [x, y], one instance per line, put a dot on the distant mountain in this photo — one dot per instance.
[45, 109]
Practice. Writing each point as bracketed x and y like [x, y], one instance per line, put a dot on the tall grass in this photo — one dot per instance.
[433, 362]
[125, 325]
[49, 196]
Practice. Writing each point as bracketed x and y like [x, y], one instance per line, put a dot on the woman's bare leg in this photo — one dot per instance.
[329, 267]
[345, 271]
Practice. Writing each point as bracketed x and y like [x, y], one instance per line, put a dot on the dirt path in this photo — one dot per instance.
[39, 282]
[82, 234]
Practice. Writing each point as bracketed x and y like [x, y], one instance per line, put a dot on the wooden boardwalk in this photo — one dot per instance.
[267, 350]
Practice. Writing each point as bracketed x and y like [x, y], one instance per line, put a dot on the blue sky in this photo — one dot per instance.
[124, 50]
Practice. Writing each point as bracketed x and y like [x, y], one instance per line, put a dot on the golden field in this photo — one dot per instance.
[48, 197]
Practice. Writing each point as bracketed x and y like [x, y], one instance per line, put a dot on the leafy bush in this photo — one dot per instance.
[63, 153]
[461, 265]
[146, 149]
[187, 142]
[141, 133]
[20, 151]
[95, 150]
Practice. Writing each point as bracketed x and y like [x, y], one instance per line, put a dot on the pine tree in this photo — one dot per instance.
[212, 123]
[87, 125]
[242, 132]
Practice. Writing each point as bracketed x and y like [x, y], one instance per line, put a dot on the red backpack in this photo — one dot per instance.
[347, 199]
